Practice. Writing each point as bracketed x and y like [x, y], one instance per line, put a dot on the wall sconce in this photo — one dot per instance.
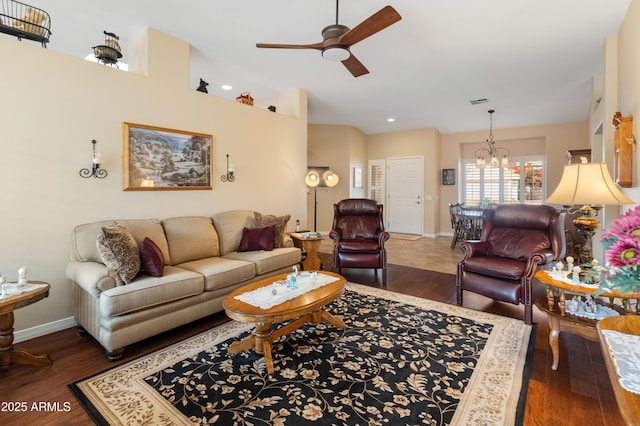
[95, 171]
[229, 177]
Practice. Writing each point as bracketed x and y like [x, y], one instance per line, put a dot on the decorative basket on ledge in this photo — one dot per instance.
[245, 98]
[109, 52]
[24, 21]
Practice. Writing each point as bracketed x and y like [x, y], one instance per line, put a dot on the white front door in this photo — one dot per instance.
[404, 196]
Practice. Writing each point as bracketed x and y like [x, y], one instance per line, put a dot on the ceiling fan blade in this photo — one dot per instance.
[317, 46]
[355, 67]
[376, 22]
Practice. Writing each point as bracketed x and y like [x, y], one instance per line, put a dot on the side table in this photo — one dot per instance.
[310, 245]
[628, 402]
[553, 304]
[8, 354]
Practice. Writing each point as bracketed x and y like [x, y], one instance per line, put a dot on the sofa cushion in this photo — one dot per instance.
[267, 261]
[119, 251]
[254, 239]
[190, 238]
[83, 237]
[229, 226]
[280, 222]
[151, 258]
[219, 272]
[146, 291]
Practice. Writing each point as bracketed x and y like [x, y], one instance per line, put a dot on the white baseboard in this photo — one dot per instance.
[41, 330]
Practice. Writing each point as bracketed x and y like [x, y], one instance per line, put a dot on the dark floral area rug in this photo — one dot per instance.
[401, 360]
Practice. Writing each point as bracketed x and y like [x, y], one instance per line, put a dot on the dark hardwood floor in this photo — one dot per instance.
[578, 393]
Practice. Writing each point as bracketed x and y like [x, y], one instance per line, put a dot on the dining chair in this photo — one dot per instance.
[455, 212]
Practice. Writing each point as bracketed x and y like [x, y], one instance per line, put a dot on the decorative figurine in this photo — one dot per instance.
[203, 86]
[590, 305]
[569, 260]
[559, 267]
[22, 275]
[292, 279]
[576, 274]
[572, 305]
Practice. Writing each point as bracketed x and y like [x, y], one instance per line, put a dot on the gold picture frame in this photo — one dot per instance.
[160, 159]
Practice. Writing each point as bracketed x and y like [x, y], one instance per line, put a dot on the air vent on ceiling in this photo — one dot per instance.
[479, 101]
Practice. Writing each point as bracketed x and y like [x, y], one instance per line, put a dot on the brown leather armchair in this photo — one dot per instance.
[516, 239]
[358, 236]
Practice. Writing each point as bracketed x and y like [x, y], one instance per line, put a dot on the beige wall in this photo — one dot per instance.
[53, 105]
[340, 148]
[628, 87]
[421, 142]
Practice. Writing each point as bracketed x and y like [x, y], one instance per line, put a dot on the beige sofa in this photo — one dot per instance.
[201, 266]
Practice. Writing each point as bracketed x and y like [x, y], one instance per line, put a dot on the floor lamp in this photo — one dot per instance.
[589, 185]
[319, 177]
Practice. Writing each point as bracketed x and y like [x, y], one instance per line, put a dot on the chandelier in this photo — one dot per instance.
[492, 152]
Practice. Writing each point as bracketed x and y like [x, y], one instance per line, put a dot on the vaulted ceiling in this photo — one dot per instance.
[533, 60]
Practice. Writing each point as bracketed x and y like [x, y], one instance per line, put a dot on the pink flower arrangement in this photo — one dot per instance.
[621, 242]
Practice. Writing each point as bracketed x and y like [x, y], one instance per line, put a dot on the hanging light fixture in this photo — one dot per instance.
[492, 152]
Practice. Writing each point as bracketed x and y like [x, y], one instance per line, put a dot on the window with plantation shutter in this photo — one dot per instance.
[520, 183]
[376, 180]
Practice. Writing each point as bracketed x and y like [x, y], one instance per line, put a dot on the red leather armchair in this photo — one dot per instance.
[516, 239]
[358, 236]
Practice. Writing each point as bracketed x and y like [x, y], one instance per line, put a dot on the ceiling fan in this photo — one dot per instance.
[337, 39]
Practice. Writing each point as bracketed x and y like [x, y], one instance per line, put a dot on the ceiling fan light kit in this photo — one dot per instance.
[338, 39]
[336, 53]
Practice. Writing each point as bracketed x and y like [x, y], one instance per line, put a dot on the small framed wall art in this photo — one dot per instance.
[155, 158]
[448, 176]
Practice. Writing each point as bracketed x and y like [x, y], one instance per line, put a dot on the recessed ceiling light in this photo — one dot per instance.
[226, 87]
[391, 120]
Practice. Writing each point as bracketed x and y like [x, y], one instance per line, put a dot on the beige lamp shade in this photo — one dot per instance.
[330, 178]
[587, 183]
[312, 178]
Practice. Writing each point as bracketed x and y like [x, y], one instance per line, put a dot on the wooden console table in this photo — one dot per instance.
[628, 402]
[553, 304]
[8, 354]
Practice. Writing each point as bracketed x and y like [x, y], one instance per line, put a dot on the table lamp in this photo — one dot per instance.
[589, 185]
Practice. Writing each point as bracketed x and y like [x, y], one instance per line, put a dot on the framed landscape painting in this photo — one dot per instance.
[155, 158]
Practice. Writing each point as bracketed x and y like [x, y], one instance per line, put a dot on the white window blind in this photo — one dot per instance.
[376, 180]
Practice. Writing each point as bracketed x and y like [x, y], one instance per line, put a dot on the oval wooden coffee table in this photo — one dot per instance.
[303, 309]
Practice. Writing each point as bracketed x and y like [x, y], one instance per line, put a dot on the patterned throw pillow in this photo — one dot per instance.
[254, 239]
[119, 251]
[152, 258]
[280, 223]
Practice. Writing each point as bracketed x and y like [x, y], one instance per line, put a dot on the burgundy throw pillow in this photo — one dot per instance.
[152, 258]
[254, 239]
